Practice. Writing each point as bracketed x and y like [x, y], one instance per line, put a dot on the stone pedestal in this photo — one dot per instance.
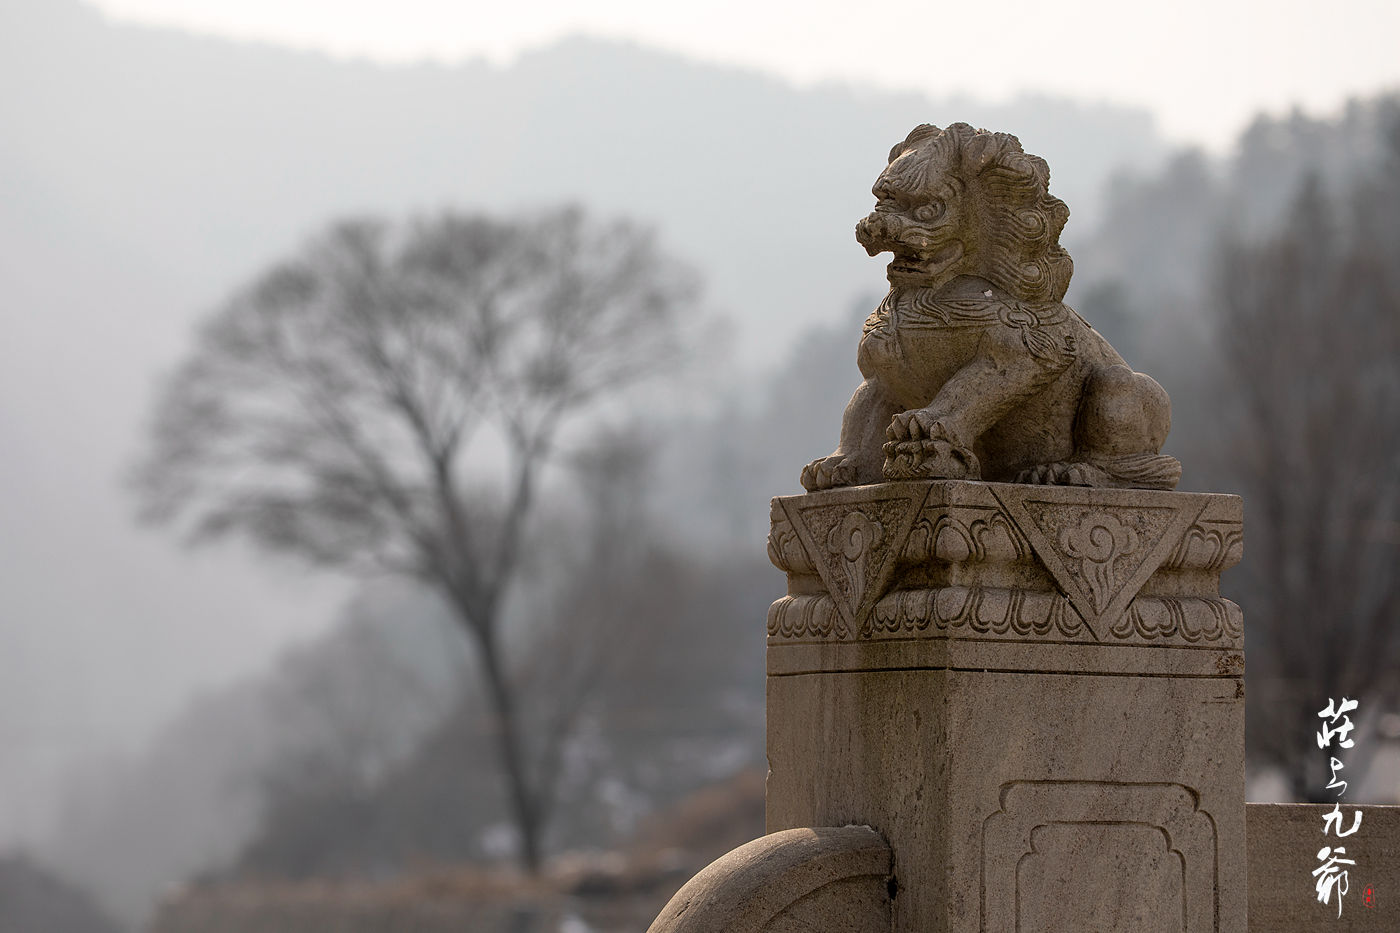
[1034, 693]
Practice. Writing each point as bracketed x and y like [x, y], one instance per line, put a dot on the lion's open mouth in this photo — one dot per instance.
[906, 265]
[905, 269]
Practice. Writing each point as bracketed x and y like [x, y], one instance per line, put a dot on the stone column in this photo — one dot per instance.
[1034, 693]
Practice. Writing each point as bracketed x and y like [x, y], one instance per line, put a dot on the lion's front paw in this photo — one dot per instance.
[825, 472]
[929, 459]
[918, 424]
[920, 447]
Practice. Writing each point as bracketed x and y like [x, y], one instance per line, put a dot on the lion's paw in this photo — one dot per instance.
[916, 425]
[1065, 473]
[929, 459]
[826, 472]
[920, 447]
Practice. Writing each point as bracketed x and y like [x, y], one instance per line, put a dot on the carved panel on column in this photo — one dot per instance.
[1098, 855]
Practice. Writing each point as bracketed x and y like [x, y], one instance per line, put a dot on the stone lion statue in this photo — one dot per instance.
[974, 367]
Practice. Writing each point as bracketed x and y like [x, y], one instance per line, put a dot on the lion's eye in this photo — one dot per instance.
[928, 213]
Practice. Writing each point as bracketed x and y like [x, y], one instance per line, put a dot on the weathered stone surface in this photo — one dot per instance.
[973, 366]
[796, 881]
[1284, 840]
[1034, 693]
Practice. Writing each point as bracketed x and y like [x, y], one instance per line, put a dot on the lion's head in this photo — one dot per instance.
[963, 201]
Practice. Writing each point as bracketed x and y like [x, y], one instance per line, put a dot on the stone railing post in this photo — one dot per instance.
[1034, 693]
[1003, 647]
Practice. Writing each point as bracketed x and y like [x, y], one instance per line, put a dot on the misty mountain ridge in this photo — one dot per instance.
[210, 158]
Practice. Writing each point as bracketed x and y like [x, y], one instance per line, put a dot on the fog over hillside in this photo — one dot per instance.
[145, 173]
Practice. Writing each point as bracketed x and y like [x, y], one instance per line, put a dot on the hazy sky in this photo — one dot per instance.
[1202, 66]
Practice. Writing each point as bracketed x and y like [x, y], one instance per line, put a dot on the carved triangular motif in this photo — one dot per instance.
[854, 538]
[1099, 553]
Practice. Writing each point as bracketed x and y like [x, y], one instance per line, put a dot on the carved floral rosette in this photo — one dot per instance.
[986, 561]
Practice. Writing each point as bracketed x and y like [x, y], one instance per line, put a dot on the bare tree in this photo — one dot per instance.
[328, 410]
[1310, 321]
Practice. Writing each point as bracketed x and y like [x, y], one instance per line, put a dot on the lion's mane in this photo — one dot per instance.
[1019, 220]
